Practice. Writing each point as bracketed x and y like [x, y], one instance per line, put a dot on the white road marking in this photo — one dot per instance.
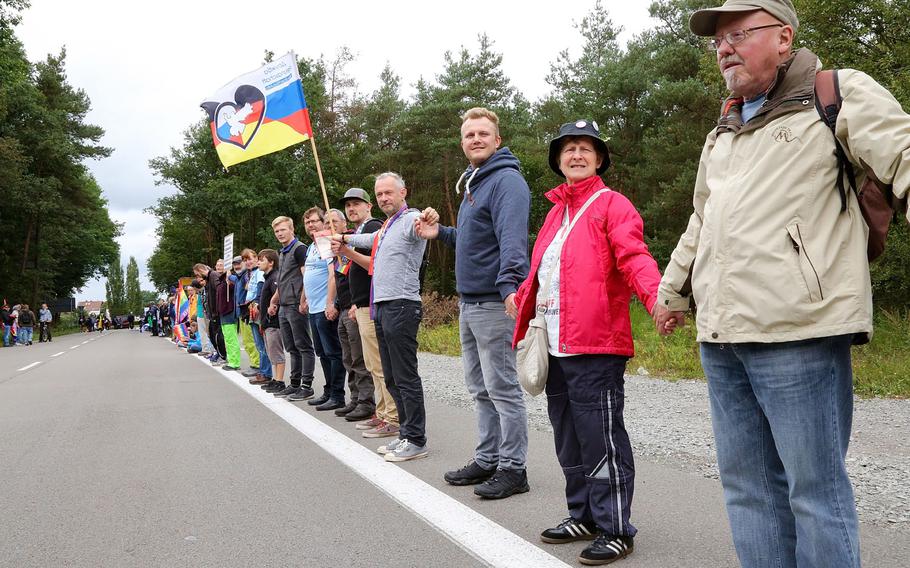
[27, 367]
[58, 354]
[86, 341]
[478, 535]
[74, 346]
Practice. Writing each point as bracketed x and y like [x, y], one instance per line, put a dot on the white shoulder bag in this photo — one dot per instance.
[532, 354]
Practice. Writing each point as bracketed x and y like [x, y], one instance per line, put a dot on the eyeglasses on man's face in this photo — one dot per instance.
[737, 36]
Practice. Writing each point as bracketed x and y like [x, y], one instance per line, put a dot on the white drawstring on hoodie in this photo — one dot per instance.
[467, 185]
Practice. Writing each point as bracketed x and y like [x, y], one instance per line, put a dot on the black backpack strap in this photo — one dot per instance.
[827, 103]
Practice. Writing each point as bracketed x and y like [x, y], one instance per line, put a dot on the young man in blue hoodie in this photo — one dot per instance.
[491, 261]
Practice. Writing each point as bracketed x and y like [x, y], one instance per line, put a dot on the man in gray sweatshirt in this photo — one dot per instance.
[397, 254]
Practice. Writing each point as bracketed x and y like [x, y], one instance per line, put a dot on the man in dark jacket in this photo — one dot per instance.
[491, 260]
[7, 321]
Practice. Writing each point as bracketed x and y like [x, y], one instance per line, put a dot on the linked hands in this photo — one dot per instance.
[666, 321]
[427, 224]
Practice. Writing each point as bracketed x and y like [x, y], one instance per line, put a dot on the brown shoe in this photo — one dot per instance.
[259, 380]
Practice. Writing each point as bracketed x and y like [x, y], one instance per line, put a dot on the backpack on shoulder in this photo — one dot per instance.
[876, 199]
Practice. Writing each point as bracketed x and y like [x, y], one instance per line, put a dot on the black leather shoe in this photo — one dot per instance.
[606, 549]
[471, 474]
[362, 412]
[505, 482]
[569, 530]
[344, 410]
[330, 404]
[317, 401]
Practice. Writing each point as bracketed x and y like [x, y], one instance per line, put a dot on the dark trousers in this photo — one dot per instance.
[585, 399]
[328, 349]
[360, 382]
[295, 334]
[44, 333]
[396, 323]
[217, 337]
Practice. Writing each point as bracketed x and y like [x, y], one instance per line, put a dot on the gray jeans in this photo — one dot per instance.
[360, 382]
[491, 378]
[295, 335]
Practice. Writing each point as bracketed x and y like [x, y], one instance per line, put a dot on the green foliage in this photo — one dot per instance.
[55, 232]
[133, 291]
[655, 98]
[116, 288]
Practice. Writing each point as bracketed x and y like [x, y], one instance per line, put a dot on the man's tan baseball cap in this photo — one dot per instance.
[704, 22]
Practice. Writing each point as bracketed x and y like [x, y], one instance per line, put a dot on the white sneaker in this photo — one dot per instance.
[406, 451]
[390, 447]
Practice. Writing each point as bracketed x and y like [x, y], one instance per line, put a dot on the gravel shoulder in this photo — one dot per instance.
[669, 422]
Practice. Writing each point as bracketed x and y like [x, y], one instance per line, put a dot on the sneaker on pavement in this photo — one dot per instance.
[218, 363]
[346, 409]
[331, 404]
[569, 530]
[405, 451]
[317, 401]
[362, 411]
[249, 373]
[273, 386]
[504, 483]
[605, 549]
[390, 447]
[288, 391]
[384, 430]
[471, 474]
[373, 422]
[303, 393]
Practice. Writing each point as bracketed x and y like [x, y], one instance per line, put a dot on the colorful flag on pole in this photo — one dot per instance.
[181, 333]
[183, 306]
[259, 113]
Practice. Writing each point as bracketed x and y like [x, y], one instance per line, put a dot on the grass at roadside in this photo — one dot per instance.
[881, 368]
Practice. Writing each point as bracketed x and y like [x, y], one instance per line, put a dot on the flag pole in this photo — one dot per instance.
[325, 196]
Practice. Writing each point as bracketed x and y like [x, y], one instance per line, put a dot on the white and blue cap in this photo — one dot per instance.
[578, 128]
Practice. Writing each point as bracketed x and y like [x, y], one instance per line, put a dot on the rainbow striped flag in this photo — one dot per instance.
[259, 113]
[181, 333]
[183, 306]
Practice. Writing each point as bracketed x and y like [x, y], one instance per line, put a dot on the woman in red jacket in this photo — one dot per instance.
[593, 267]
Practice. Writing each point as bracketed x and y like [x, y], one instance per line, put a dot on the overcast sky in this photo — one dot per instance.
[146, 66]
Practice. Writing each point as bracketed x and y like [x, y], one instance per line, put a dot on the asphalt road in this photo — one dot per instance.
[120, 450]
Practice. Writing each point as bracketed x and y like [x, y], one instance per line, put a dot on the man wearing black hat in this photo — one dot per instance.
[491, 260]
[775, 257]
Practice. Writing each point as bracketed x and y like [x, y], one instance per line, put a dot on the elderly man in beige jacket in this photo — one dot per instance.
[776, 262]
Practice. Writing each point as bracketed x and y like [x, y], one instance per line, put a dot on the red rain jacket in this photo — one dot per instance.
[603, 260]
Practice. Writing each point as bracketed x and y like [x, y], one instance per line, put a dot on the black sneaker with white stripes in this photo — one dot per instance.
[605, 549]
[569, 530]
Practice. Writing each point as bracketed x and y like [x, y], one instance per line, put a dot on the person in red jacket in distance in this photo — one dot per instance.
[595, 268]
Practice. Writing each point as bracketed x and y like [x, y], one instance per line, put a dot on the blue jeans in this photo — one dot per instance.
[328, 349]
[491, 378]
[25, 335]
[265, 366]
[782, 414]
[7, 329]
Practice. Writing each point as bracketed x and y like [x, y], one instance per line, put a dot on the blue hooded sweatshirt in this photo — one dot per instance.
[491, 239]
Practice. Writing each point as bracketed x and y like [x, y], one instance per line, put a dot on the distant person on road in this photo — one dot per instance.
[26, 324]
[6, 319]
[491, 262]
[45, 317]
[131, 319]
[588, 259]
[775, 256]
